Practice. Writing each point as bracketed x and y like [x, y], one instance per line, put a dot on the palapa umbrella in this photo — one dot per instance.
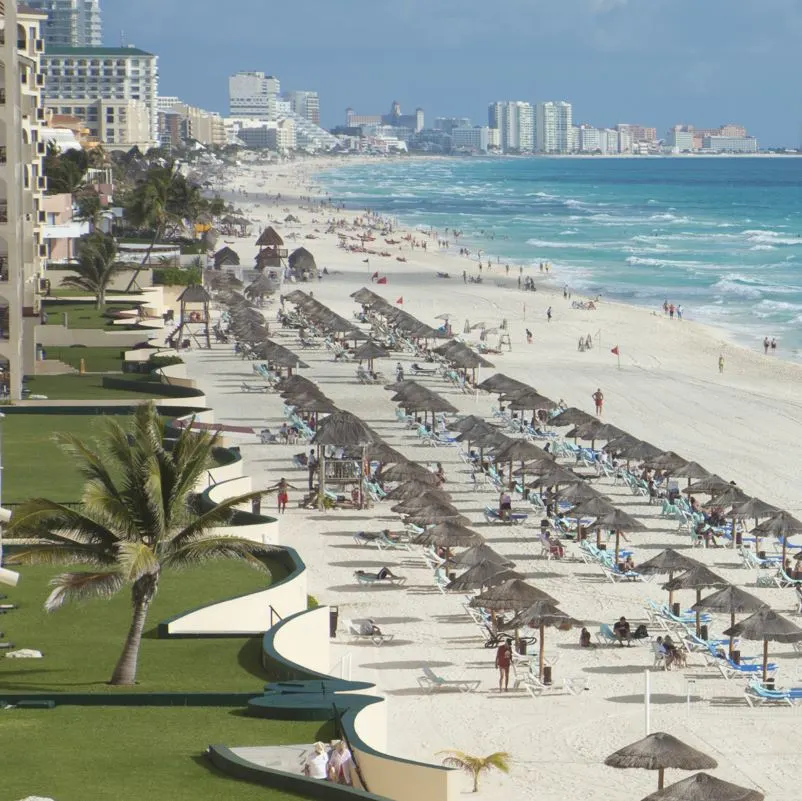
[755, 509]
[427, 517]
[312, 403]
[466, 423]
[380, 451]
[483, 575]
[499, 383]
[571, 417]
[667, 461]
[480, 553]
[639, 451]
[697, 578]
[539, 615]
[369, 351]
[449, 535]
[731, 600]
[413, 489]
[782, 525]
[732, 497]
[432, 501]
[691, 470]
[519, 450]
[597, 508]
[512, 595]
[766, 625]
[668, 561]
[711, 484]
[659, 751]
[578, 493]
[620, 521]
[701, 787]
[404, 471]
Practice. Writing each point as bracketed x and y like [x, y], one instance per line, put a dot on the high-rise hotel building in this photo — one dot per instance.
[21, 186]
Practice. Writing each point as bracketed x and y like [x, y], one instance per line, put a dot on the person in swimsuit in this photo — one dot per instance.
[598, 399]
[503, 662]
[283, 497]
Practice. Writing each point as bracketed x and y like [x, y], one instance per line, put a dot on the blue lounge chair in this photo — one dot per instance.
[757, 695]
[493, 516]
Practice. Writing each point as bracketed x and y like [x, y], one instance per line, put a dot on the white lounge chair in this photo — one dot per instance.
[430, 682]
[366, 629]
[573, 686]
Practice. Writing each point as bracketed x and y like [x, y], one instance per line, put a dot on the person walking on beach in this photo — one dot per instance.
[679, 311]
[721, 363]
[503, 662]
[773, 346]
[665, 306]
[766, 345]
[283, 486]
[528, 337]
[519, 281]
[671, 311]
[464, 276]
[598, 399]
[548, 314]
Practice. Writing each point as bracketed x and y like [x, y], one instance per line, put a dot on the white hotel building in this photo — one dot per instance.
[21, 187]
[108, 78]
[554, 127]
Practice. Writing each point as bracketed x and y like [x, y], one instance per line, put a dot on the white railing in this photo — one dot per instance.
[343, 667]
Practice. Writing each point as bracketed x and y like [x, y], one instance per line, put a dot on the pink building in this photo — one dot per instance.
[60, 231]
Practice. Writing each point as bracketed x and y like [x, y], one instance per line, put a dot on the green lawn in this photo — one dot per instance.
[81, 642]
[83, 315]
[96, 360]
[33, 463]
[89, 387]
[129, 754]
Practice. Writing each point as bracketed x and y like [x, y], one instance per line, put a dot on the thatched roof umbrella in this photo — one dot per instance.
[691, 471]
[596, 507]
[730, 497]
[412, 489]
[296, 383]
[539, 615]
[367, 297]
[578, 494]
[667, 461]
[279, 355]
[519, 450]
[499, 383]
[755, 509]
[513, 595]
[380, 451]
[620, 522]
[711, 484]
[312, 403]
[572, 417]
[730, 600]
[404, 471]
[432, 499]
[701, 787]
[697, 578]
[554, 476]
[466, 423]
[269, 238]
[369, 351]
[483, 575]
[639, 451]
[342, 430]
[260, 286]
[448, 535]
[659, 751]
[481, 553]
[426, 517]
[226, 257]
[782, 525]
[766, 625]
[297, 296]
[670, 562]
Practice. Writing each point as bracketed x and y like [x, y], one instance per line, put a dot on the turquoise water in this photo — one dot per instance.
[721, 236]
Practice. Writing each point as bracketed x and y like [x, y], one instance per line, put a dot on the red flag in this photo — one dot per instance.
[382, 280]
[400, 301]
[375, 276]
[615, 351]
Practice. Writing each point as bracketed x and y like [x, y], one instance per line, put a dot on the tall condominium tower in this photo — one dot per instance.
[70, 23]
[554, 127]
[305, 104]
[514, 119]
[253, 94]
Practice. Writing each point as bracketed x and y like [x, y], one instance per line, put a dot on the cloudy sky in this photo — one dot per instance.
[651, 62]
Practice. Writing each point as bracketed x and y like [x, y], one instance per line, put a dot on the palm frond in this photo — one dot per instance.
[82, 586]
[42, 518]
[62, 554]
[218, 515]
[208, 548]
[136, 559]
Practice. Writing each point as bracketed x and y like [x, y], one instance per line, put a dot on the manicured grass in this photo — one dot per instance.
[89, 387]
[82, 642]
[96, 360]
[83, 315]
[129, 754]
[34, 464]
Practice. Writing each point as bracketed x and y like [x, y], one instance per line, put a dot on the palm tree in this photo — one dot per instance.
[475, 766]
[138, 518]
[96, 267]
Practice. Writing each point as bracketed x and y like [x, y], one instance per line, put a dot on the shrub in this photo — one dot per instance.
[157, 362]
[175, 276]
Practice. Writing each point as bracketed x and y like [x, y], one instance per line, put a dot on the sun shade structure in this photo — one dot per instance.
[369, 351]
[579, 493]
[450, 535]
[499, 384]
[670, 562]
[667, 461]
[782, 525]
[619, 521]
[660, 751]
[572, 417]
[766, 625]
[405, 471]
[269, 238]
[538, 616]
[428, 500]
[733, 601]
[467, 423]
[697, 578]
[412, 489]
[478, 554]
[482, 575]
[512, 595]
[702, 787]
[709, 485]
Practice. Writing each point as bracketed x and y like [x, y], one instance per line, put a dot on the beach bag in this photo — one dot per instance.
[640, 633]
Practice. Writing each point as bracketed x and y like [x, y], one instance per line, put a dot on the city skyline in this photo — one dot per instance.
[656, 62]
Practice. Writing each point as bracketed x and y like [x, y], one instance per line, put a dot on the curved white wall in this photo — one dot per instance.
[305, 640]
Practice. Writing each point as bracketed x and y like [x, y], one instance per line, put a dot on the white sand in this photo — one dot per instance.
[744, 424]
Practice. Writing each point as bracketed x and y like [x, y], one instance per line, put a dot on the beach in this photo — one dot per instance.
[742, 423]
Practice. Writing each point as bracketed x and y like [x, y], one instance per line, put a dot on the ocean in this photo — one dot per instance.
[721, 236]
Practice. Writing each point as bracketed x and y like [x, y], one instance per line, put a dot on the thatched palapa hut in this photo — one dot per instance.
[302, 265]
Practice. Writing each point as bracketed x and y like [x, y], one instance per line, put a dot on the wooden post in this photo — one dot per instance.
[321, 484]
[541, 659]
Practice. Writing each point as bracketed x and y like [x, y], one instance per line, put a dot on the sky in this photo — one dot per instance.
[647, 62]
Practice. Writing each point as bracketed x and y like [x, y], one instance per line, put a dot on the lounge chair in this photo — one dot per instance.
[385, 543]
[659, 656]
[365, 538]
[757, 695]
[615, 575]
[494, 516]
[372, 579]
[729, 669]
[261, 388]
[430, 682]
[606, 636]
[572, 685]
[366, 629]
